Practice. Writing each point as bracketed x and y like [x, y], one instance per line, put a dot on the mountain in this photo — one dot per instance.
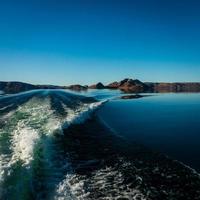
[97, 86]
[129, 85]
[174, 87]
[77, 87]
[126, 85]
[50, 87]
[15, 87]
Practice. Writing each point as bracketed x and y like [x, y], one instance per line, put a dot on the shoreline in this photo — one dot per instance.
[126, 85]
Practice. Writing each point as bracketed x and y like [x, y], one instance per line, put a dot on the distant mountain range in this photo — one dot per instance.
[130, 85]
[126, 85]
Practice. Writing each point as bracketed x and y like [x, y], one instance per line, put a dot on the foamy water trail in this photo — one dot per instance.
[32, 161]
[43, 157]
[100, 182]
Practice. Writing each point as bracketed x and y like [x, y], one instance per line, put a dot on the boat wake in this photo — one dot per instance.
[32, 160]
[53, 147]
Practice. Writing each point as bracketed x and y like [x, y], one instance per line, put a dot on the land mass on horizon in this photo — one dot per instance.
[126, 85]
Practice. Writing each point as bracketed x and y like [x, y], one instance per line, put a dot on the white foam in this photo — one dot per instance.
[20, 135]
[83, 113]
[3, 164]
[2, 109]
[99, 181]
[63, 191]
[6, 116]
[24, 140]
[26, 127]
[25, 137]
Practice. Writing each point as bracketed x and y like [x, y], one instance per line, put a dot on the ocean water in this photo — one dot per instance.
[63, 145]
[168, 123]
[32, 160]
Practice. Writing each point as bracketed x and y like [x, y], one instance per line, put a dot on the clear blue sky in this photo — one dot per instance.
[84, 41]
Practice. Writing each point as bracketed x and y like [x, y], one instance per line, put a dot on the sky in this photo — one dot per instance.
[65, 42]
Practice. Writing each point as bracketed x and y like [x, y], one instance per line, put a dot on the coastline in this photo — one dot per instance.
[126, 85]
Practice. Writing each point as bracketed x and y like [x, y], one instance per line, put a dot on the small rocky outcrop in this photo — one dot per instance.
[129, 85]
[97, 86]
[77, 87]
[135, 96]
[50, 87]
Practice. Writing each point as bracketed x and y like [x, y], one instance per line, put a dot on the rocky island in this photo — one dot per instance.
[129, 85]
[97, 86]
[126, 85]
[137, 86]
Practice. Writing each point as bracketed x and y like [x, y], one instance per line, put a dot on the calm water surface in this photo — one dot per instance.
[169, 123]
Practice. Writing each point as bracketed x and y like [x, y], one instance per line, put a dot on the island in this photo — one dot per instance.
[126, 85]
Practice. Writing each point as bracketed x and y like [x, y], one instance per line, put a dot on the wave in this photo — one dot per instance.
[31, 137]
[106, 166]
[53, 147]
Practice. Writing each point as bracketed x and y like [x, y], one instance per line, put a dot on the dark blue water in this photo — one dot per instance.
[169, 123]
